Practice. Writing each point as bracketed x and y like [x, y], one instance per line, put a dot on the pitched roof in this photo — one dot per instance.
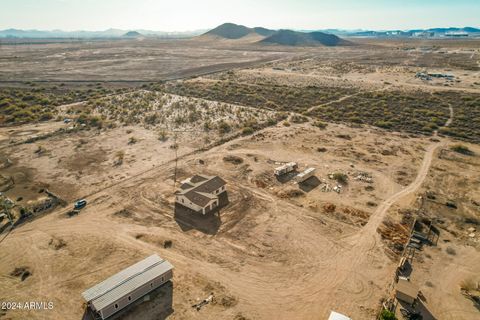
[119, 285]
[201, 189]
[211, 185]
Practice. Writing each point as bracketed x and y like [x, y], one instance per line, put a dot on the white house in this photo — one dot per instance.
[201, 193]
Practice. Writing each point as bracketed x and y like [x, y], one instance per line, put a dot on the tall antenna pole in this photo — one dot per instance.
[175, 146]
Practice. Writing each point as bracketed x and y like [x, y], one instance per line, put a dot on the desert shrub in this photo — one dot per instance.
[319, 124]
[262, 95]
[163, 135]
[340, 177]
[387, 315]
[151, 119]
[286, 123]
[462, 149]
[247, 130]
[299, 119]
[224, 127]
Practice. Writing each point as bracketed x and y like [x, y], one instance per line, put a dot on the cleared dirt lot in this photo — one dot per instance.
[147, 60]
[278, 249]
[265, 251]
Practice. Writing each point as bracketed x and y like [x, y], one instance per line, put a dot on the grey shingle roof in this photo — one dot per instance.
[201, 193]
[119, 285]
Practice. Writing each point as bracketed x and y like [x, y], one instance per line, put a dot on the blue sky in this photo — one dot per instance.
[180, 15]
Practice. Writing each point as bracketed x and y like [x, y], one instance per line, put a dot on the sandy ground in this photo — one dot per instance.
[269, 254]
[278, 250]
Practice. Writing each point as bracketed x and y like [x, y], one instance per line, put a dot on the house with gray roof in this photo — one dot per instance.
[201, 193]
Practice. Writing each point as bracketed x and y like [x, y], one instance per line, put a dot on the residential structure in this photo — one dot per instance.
[304, 175]
[286, 168]
[201, 193]
[127, 286]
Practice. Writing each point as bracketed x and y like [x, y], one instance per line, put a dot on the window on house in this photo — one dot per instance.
[151, 284]
[116, 306]
[129, 298]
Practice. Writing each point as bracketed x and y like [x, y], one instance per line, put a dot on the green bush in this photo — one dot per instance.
[320, 124]
[247, 130]
[387, 315]
[224, 127]
[340, 177]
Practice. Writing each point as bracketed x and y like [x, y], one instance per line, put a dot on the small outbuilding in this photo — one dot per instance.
[406, 291]
[337, 316]
[122, 289]
[286, 168]
[302, 176]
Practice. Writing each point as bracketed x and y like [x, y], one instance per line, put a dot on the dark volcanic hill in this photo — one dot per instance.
[264, 31]
[132, 34]
[261, 35]
[230, 31]
[295, 38]
[235, 31]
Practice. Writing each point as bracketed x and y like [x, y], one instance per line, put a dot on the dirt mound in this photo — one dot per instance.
[57, 243]
[233, 159]
[290, 193]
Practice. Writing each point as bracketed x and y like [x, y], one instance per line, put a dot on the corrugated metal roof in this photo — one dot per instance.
[337, 316]
[127, 280]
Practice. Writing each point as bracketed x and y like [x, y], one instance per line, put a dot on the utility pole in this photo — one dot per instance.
[176, 147]
[6, 205]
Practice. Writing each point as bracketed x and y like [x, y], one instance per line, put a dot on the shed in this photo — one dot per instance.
[406, 291]
[305, 175]
[127, 286]
[337, 316]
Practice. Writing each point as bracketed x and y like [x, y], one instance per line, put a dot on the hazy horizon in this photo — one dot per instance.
[185, 15]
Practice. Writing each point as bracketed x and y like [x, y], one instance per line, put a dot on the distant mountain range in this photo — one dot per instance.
[433, 32]
[231, 31]
[110, 33]
[234, 31]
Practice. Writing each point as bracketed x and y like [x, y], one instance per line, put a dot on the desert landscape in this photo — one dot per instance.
[120, 123]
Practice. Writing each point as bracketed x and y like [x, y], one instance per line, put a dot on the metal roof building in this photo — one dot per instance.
[127, 286]
[337, 316]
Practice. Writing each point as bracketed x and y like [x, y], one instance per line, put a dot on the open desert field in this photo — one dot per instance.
[389, 149]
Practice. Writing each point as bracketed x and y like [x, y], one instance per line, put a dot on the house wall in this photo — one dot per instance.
[187, 203]
[135, 295]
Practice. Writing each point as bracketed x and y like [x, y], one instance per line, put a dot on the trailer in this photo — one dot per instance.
[304, 175]
[286, 168]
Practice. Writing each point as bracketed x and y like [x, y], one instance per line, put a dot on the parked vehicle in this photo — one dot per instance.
[80, 204]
